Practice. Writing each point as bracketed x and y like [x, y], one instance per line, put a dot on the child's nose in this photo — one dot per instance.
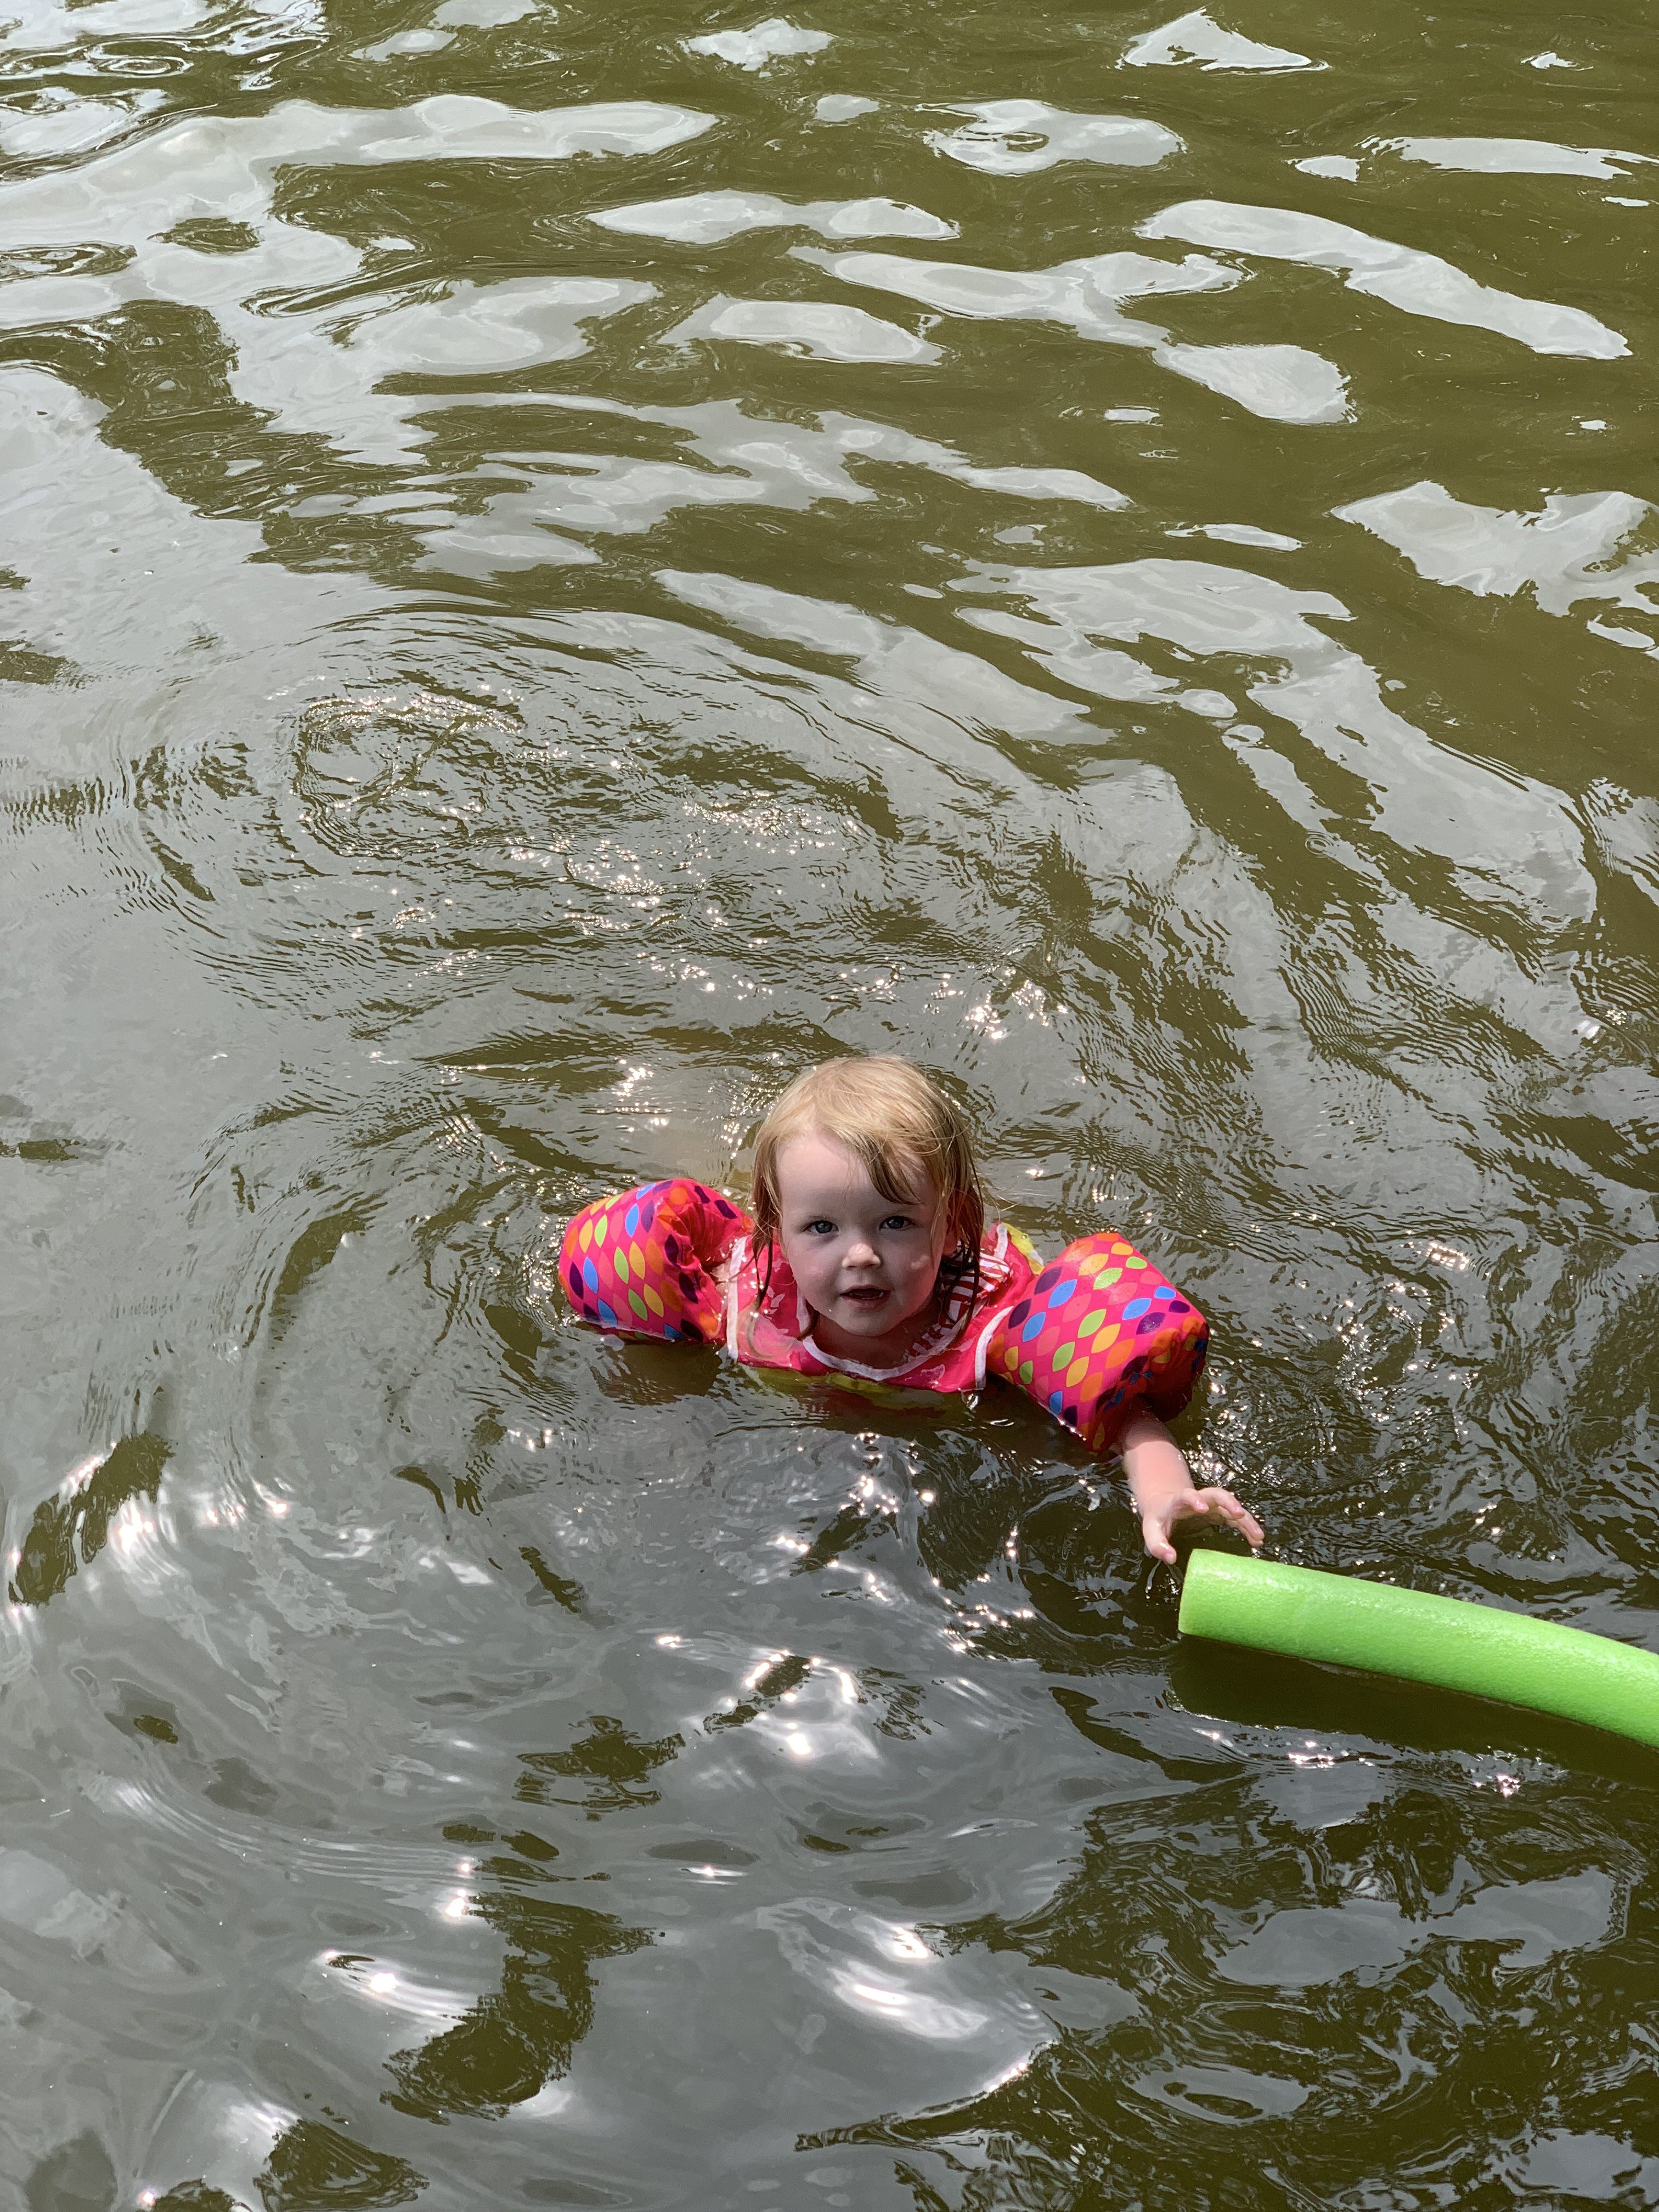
[861, 1253]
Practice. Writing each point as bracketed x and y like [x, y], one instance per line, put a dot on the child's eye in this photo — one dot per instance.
[820, 1228]
[898, 1221]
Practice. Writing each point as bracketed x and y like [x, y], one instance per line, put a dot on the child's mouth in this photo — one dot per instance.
[869, 1298]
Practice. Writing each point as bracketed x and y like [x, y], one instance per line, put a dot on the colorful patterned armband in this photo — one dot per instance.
[643, 1263]
[1101, 1336]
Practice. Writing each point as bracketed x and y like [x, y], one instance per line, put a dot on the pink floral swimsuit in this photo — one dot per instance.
[1093, 1338]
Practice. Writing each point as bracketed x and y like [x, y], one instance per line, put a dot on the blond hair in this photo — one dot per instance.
[892, 1120]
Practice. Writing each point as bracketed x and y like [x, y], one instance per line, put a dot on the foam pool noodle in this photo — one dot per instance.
[1449, 1641]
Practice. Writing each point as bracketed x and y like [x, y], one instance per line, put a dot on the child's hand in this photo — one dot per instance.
[1163, 1489]
[1214, 1504]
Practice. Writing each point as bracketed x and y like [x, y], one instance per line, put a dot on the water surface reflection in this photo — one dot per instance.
[557, 569]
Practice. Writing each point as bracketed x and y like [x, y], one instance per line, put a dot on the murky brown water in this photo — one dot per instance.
[561, 563]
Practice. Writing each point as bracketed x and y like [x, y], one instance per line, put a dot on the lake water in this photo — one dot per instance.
[562, 564]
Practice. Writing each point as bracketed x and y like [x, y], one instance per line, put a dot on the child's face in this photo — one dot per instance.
[866, 1265]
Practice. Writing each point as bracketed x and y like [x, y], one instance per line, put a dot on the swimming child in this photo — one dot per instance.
[868, 1256]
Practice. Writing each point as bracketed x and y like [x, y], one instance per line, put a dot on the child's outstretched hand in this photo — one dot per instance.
[1164, 1493]
[1213, 1505]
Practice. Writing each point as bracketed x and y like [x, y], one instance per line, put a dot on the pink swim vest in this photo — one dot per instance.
[1093, 1338]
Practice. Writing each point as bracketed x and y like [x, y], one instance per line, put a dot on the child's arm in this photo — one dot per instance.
[1163, 1489]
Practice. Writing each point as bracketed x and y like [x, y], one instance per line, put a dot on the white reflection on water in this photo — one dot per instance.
[389, 1989]
[1282, 383]
[144, 1544]
[757, 48]
[51, 127]
[892, 659]
[709, 218]
[885, 1972]
[1016, 137]
[1198, 37]
[1577, 547]
[723, 458]
[483, 328]
[319, 368]
[1508, 838]
[1309, 1945]
[1240, 533]
[817, 330]
[208, 2130]
[41, 1901]
[38, 26]
[1420, 283]
[1515, 157]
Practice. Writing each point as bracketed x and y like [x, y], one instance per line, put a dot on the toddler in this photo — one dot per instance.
[868, 1256]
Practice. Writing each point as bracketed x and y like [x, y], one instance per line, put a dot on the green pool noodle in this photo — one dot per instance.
[1447, 1641]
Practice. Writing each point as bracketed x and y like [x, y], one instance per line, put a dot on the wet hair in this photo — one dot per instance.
[892, 1120]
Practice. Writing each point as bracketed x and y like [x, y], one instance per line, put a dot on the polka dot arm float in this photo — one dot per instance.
[1099, 1336]
[644, 1263]
[1447, 1641]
